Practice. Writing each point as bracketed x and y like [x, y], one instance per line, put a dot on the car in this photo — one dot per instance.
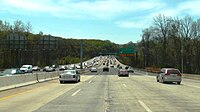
[27, 68]
[105, 69]
[49, 69]
[36, 68]
[112, 66]
[12, 71]
[93, 69]
[69, 75]
[123, 72]
[127, 67]
[118, 65]
[169, 75]
[107, 64]
[53, 67]
[62, 67]
[46, 68]
[130, 70]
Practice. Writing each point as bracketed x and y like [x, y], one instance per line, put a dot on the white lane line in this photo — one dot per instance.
[90, 81]
[194, 86]
[124, 85]
[76, 92]
[145, 107]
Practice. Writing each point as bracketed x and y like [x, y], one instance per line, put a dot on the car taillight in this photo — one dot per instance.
[167, 73]
[120, 72]
[126, 72]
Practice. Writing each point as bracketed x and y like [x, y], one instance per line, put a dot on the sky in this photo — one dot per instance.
[119, 21]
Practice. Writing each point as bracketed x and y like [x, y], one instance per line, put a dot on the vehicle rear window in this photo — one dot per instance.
[173, 71]
[70, 72]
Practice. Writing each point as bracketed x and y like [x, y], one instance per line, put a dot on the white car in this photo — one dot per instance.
[27, 68]
[93, 69]
[69, 75]
[36, 68]
[169, 75]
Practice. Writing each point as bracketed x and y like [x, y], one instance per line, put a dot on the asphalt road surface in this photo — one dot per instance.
[104, 92]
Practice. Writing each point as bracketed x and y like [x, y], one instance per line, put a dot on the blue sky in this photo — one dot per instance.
[119, 21]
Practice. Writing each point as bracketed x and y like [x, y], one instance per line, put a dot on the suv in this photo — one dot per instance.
[169, 75]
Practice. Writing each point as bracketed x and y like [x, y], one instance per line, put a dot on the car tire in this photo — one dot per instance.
[178, 83]
[61, 82]
[157, 79]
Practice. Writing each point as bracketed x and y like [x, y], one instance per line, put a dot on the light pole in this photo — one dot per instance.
[182, 56]
[81, 53]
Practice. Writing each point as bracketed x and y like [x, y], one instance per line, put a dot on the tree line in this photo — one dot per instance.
[171, 42]
[20, 46]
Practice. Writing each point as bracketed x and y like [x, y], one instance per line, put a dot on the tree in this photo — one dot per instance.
[19, 26]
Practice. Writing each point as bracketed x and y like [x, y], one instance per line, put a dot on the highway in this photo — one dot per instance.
[104, 92]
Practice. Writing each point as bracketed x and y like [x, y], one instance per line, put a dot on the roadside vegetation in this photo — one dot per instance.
[168, 42]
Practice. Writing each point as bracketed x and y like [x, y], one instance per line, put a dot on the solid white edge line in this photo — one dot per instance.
[124, 85]
[145, 107]
[76, 92]
[193, 86]
[90, 81]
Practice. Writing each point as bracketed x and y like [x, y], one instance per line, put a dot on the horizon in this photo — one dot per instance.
[119, 21]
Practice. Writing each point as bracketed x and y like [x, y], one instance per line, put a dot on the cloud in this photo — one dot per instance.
[100, 9]
[180, 10]
[132, 24]
[190, 7]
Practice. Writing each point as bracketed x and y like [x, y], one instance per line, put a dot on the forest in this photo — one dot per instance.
[19, 46]
[171, 42]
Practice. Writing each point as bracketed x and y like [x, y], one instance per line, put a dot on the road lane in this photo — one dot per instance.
[91, 98]
[106, 92]
[29, 98]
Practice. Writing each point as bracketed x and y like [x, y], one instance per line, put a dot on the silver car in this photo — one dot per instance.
[69, 75]
[93, 69]
[169, 75]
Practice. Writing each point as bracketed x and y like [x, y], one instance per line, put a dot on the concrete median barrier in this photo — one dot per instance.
[9, 82]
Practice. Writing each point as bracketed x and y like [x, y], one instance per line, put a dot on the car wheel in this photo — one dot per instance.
[157, 79]
[61, 82]
[178, 83]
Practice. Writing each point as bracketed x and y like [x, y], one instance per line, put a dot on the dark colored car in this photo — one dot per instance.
[105, 69]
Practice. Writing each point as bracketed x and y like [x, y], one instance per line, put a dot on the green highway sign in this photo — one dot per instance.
[128, 50]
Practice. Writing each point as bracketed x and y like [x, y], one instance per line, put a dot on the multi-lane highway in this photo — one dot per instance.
[104, 92]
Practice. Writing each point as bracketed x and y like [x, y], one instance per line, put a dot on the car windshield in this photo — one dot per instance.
[70, 72]
[24, 66]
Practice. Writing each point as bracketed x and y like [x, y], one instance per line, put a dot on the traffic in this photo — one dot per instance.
[105, 81]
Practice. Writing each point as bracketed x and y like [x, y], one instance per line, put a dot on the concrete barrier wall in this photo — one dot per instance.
[191, 76]
[8, 82]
